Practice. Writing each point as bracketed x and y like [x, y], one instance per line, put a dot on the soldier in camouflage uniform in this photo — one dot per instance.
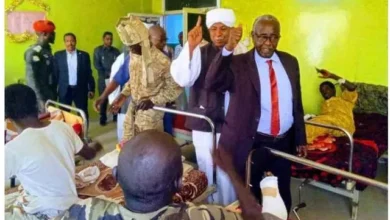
[150, 82]
[39, 64]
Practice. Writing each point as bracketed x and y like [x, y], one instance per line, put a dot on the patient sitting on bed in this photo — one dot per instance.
[149, 172]
[336, 111]
[41, 157]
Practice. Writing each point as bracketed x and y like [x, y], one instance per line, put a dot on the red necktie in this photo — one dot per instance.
[275, 120]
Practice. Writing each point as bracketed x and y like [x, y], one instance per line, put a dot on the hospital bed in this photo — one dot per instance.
[71, 116]
[68, 114]
[348, 175]
[358, 153]
[116, 194]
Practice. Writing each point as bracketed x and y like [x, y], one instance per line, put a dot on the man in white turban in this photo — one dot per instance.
[189, 70]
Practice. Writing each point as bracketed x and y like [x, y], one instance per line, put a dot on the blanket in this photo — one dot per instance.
[365, 157]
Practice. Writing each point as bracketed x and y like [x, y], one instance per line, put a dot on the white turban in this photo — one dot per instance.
[225, 16]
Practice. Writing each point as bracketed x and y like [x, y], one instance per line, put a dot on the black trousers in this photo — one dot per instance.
[103, 106]
[79, 98]
[264, 161]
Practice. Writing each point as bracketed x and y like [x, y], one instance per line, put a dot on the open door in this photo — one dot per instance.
[190, 17]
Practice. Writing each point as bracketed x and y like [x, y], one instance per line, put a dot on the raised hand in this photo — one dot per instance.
[195, 36]
[235, 35]
[325, 74]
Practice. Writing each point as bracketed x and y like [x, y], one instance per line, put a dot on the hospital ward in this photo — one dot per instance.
[195, 110]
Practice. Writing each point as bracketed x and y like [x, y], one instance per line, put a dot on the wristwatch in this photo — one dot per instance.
[341, 81]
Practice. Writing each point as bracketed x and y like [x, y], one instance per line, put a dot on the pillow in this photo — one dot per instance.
[372, 99]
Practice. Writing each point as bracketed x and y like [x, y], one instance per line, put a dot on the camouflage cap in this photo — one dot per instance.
[131, 30]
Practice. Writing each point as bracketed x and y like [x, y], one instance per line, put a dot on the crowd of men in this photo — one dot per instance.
[253, 97]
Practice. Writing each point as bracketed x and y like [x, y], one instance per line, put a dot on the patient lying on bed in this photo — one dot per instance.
[336, 111]
[150, 171]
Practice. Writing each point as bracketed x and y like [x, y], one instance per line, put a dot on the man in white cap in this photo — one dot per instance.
[189, 70]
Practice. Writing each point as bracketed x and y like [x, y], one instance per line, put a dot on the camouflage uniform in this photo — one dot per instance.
[97, 209]
[162, 90]
[40, 73]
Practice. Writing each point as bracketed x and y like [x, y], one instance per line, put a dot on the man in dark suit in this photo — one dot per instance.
[73, 69]
[265, 107]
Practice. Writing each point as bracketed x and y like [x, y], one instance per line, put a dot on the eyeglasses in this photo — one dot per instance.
[263, 38]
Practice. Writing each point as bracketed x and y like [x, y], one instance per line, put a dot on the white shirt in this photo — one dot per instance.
[284, 95]
[71, 58]
[114, 70]
[43, 160]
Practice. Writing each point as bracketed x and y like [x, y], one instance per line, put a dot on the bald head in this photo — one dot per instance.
[157, 37]
[149, 169]
[265, 35]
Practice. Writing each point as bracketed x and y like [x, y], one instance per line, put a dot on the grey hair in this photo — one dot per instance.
[266, 17]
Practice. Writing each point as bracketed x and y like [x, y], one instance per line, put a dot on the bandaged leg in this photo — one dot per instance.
[272, 201]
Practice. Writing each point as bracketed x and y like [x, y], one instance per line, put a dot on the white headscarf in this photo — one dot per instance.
[223, 15]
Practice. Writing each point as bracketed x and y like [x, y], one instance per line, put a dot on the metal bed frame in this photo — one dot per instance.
[71, 108]
[350, 191]
[213, 188]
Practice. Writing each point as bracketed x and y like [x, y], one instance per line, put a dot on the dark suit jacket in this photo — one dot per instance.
[85, 80]
[239, 75]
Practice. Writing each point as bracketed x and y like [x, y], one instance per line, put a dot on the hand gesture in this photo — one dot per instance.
[117, 104]
[91, 95]
[302, 151]
[97, 103]
[145, 105]
[325, 74]
[195, 36]
[235, 35]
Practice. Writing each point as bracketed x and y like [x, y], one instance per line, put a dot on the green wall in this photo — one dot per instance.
[87, 19]
[343, 36]
[347, 37]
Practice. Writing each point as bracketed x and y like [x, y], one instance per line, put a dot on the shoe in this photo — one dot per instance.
[103, 123]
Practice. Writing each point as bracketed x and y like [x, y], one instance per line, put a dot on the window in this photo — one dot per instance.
[171, 5]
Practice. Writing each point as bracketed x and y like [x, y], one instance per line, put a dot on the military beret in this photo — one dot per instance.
[44, 26]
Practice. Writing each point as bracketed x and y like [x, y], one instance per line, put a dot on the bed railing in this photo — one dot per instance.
[316, 165]
[189, 114]
[79, 111]
[350, 138]
[347, 174]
